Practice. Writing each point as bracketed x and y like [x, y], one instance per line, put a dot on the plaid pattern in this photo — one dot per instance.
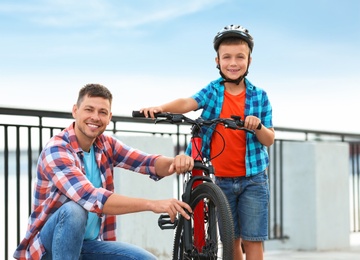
[211, 98]
[61, 178]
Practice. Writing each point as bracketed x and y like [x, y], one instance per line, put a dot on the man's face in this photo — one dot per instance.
[91, 118]
[233, 59]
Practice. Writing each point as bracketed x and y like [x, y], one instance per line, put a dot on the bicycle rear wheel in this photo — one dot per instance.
[218, 225]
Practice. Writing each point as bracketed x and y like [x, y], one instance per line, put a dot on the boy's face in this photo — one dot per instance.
[233, 59]
[91, 118]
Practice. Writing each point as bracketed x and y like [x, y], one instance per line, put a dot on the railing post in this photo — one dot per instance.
[6, 190]
[29, 170]
[18, 207]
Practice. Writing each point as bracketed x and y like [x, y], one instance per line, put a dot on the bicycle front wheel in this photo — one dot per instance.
[218, 226]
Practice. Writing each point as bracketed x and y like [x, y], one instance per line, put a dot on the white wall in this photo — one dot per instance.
[142, 228]
[316, 196]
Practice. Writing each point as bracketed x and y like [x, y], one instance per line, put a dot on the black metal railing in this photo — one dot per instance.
[355, 186]
[23, 133]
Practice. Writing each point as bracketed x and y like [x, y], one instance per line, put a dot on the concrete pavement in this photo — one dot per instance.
[352, 253]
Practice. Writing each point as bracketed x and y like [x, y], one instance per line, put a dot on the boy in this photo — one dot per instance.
[241, 169]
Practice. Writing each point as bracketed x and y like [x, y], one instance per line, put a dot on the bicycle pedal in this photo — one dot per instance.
[164, 222]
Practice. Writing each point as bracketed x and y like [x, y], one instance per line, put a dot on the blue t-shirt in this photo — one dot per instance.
[93, 174]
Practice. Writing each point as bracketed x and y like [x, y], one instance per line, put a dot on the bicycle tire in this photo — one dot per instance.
[218, 213]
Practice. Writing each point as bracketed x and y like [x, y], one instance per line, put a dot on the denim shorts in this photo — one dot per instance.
[249, 200]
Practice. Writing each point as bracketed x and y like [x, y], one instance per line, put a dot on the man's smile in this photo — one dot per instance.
[93, 126]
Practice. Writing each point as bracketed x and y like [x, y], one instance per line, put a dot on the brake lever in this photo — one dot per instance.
[247, 130]
[241, 123]
[177, 118]
[238, 121]
[160, 120]
[231, 124]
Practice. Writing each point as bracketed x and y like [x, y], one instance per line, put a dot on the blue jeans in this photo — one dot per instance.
[63, 238]
[249, 200]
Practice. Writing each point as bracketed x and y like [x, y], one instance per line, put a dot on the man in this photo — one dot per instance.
[74, 201]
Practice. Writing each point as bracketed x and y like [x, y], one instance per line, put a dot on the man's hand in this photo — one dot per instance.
[182, 163]
[171, 207]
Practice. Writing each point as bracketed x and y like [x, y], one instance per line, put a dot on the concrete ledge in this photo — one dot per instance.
[315, 196]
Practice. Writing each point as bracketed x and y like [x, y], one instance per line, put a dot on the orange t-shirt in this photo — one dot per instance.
[231, 162]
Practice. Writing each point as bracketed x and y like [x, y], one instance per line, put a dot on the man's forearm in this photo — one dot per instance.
[118, 204]
[162, 165]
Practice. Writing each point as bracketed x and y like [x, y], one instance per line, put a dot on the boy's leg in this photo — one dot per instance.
[254, 250]
[253, 205]
[231, 188]
[63, 233]
[111, 250]
[238, 253]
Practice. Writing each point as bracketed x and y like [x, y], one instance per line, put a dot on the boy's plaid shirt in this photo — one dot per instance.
[211, 99]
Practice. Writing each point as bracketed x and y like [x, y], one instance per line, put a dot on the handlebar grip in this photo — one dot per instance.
[137, 114]
[259, 126]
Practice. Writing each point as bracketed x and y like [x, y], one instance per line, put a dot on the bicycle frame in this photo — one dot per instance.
[199, 231]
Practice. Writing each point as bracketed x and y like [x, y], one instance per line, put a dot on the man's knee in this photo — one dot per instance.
[67, 222]
[73, 213]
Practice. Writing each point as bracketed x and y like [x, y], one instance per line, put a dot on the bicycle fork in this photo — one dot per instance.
[198, 218]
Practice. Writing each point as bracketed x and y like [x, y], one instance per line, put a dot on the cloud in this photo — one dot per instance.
[118, 14]
[156, 11]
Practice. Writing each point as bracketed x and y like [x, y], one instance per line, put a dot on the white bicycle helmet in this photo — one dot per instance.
[233, 31]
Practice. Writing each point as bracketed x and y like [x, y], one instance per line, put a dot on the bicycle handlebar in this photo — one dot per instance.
[234, 122]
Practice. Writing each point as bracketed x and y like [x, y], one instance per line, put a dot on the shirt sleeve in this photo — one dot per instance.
[266, 112]
[135, 160]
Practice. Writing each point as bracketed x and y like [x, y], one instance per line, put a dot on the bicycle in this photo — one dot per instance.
[211, 224]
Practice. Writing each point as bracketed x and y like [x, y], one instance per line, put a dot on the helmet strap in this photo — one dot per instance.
[236, 81]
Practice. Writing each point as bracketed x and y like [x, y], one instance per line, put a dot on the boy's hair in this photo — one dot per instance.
[233, 40]
[94, 90]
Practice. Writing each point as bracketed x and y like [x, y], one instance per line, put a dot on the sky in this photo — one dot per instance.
[306, 54]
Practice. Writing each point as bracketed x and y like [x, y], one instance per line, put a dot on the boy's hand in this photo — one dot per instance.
[149, 111]
[251, 122]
